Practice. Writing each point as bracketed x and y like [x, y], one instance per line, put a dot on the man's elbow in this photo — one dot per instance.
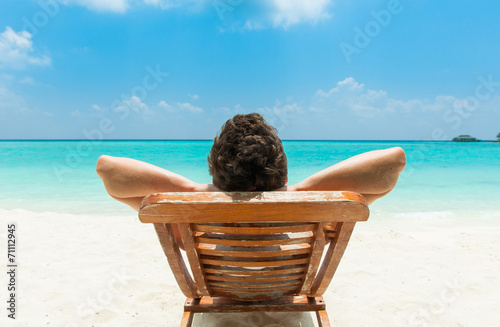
[395, 164]
[399, 159]
[104, 166]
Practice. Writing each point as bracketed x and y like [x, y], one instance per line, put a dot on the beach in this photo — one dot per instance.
[428, 255]
[82, 270]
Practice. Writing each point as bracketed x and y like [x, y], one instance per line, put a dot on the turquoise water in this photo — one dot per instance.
[59, 176]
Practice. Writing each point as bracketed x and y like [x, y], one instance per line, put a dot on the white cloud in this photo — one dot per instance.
[350, 96]
[133, 104]
[193, 96]
[11, 103]
[276, 13]
[189, 107]
[121, 6]
[280, 115]
[272, 13]
[185, 106]
[16, 48]
[193, 5]
[165, 106]
[136, 104]
[443, 102]
[117, 6]
[289, 12]
[237, 109]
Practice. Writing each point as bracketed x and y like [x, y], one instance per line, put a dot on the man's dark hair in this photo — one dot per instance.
[247, 155]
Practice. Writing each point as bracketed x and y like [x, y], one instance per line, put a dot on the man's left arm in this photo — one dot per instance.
[372, 174]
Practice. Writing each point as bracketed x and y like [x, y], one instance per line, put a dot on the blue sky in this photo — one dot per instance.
[318, 69]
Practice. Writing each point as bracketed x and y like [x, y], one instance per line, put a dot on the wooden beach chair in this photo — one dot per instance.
[254, 251]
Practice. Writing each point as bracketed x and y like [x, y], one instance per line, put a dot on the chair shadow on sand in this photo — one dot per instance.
[254, 319]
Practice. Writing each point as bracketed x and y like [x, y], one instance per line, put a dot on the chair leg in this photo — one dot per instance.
[323, 320]
[187, 319]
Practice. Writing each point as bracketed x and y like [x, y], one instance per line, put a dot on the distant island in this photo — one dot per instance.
[465, 138]
[468, 138]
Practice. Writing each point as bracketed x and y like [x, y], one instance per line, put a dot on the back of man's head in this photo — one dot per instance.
[247, 155]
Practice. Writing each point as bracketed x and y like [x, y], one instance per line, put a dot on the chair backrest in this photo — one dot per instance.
[254, 245]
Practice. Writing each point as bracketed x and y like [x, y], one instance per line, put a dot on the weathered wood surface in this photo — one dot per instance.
[265, 246]
[171, 249]
[288, 303]
[193, 258]
[206, 207]
[332, 259]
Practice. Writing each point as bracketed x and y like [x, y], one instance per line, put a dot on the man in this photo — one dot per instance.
[248, 155]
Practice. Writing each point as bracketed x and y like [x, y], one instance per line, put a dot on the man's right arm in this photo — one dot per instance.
[129, 181]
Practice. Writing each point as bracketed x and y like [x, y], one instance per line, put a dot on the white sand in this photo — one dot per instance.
[405, 270]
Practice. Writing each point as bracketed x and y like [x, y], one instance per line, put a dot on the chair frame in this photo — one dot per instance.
[211, 222]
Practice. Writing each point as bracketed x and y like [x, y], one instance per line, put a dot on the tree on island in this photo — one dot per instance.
[498, 137]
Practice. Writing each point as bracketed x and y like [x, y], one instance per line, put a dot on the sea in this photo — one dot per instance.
[441, 180]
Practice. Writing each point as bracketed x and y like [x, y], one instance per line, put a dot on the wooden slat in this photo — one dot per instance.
[288, 303]
[242, 289]
[331, 235]
[264, 283]
[286, 247]
[229, 279]
[206, 207]
[171, 249]
[260, 272]
[194, 262]
[254, 263]
[253, 230]
[332, 259]
[267, 286]
[249, 254]
[259, 224]
[247, 296]
[253, 243]
[256, 258]
[236, 237]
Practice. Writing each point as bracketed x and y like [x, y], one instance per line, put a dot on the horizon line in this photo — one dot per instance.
[311, 140]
